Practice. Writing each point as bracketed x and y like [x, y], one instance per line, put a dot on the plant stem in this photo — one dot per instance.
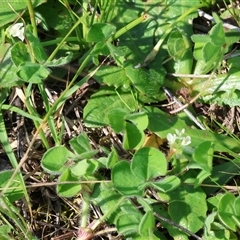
[9, 151]
[20, 112]
[50, 58]
[71, 13]
[129, 26]
[151, 56]
[177, 226]
[110, 211]
[67, 92]
[9, 210]
[85, 27]
[32, 17]
[58, 40]
[85, 209]
[33, 112]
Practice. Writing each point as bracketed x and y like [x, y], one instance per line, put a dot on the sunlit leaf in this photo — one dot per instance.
[162, 123]
[9, 8]
[68, 189]
[133, 137]
[81, 143]
[54, 159]
[166, 184]
[100, 32]
[116, 119]
[226, 211]
[203, 157]
[96, 111]
[217, 35]
[33, 72]
[8, 70]
[19, 54]
[124, 180]
[188, 207]
[147, 224]
[148, 163]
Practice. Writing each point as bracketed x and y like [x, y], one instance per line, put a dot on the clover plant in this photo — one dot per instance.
[172, 180]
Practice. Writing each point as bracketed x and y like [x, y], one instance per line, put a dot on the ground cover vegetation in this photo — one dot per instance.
[119, 119]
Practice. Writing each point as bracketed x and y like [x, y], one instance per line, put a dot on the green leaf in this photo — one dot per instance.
[148, 163]
[184, 65]
[9, 8]
[124, 181]
[162, 123]
[180, 48]
[8, 70]
[213, 202]
[117, 53]
[105, 100]
[112, 76]
[145, 203]
[166, 184]
[217, 35]
[33, 72]
[100, 32]
[214, 230]
[208, 222]
[4, 231]
[226, 211]
[112, 158]
[140, 119]
[188, 207]
[221, 234]
[60, 61]
[116, 119]
[207, 49]
[145, 81]
[179, 7]
[203, 39]
[15, 191]
[106, 197]
[231, 37]
[237, 207]
[68, 189]
[84, 167]
[198, 54]
[55, 15]
[99, 48]
[54, 159]
[177, 44]
[127, 224]
[232, 99]
[222, 83]
[219, 175]
[203, 157]
[85, 155]
[147, 225]
[80, 144]
[235, 61]
[211, 53]
[133, 137]
[19, 54]
[138, 41]
[80, 168]
[36, 46]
